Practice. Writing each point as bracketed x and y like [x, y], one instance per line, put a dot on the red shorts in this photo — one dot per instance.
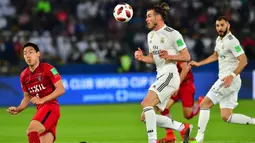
[48, 115]
[186, 95]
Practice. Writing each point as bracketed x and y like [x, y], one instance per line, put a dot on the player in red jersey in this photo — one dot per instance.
[41, 84]
[186, 95]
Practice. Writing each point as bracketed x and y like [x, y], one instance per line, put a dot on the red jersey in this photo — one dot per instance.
[189, 79]
[41, 82]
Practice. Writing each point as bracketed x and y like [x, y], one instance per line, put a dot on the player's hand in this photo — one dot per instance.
[193, 63]
[138, 54]
[13, 110]
[163, 54]
[227, 81]
[37, 100]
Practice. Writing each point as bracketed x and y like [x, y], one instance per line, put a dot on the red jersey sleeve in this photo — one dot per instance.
[22, 82]
[52, 73]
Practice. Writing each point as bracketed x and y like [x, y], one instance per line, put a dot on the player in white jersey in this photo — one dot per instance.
[166, 47]
[232, 61]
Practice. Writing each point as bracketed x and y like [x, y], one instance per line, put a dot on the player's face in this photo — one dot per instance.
[222, 27]
[31, 56]
[151, 20]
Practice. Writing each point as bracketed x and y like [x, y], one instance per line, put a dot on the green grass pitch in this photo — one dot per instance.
[120, 123]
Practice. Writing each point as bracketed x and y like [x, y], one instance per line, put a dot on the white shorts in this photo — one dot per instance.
[226, 97]
[164, 87]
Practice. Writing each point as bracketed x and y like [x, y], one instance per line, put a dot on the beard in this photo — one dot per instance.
[152, 27]
[224, 33]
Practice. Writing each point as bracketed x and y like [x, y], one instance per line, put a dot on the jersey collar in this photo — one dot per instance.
[35, 68]
[224, 38]
[162, 28]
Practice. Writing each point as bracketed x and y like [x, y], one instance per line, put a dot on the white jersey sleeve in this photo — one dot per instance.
[235, 47]
[178, 41]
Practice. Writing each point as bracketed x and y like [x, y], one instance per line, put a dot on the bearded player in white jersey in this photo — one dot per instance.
[166, 47]
[232, 61]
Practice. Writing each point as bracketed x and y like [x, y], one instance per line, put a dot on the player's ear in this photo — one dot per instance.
[157, 17]
[39, 54]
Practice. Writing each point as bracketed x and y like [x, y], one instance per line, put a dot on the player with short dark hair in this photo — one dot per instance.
[232, 60]
[42, 85]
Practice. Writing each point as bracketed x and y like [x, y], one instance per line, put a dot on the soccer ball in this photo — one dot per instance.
[123, 12]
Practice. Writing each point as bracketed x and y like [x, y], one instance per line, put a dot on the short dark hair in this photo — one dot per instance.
[161, 9]
[31, 45]
[222, 18]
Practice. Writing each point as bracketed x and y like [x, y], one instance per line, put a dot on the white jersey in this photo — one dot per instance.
[228, 49]
[168, 39]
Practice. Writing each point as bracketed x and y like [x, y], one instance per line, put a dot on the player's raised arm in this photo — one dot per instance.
[24, 103]
[182, 57]
[140, 57]
[210, 59]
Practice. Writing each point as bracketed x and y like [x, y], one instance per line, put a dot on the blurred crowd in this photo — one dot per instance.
[85, 32]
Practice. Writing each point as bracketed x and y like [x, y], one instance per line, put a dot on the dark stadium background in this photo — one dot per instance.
[104, 84]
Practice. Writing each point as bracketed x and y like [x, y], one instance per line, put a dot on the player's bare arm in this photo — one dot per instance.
[59, 90]
[210, 59]
[140, 57]
[185, 69]
[241, 65]
[24, 103]
[182, 57]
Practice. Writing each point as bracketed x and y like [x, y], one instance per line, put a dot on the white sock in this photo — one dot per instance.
[152, 141]
[203, 119]
[166, 122]
[150, 121]
[240, 119]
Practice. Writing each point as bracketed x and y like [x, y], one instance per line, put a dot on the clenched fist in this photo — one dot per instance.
[13, 110]
[163, 54]
[138, 54]
[193, 63]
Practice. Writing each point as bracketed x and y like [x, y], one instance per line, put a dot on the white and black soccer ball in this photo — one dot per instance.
[123, 12]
